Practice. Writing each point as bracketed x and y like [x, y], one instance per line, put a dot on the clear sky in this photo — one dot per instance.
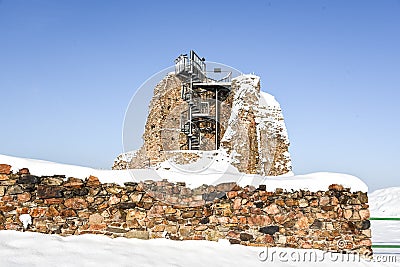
[69, 68]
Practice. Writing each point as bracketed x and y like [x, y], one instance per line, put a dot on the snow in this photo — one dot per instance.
[215, 171]
[26, 220]
[385, 202]
[35, 249]
[267, 100]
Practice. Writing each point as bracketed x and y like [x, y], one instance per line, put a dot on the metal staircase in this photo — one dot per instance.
[202, 95]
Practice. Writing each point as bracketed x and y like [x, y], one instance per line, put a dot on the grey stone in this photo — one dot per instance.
[15, 189]
[245, 237]
[137, 234]
[269, 230]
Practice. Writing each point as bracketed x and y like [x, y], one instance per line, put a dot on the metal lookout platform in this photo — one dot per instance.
[203, 95]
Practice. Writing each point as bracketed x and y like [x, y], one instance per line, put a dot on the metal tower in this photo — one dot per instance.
[203, 95]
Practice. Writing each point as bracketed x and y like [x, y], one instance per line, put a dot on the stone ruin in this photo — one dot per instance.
[251, 130]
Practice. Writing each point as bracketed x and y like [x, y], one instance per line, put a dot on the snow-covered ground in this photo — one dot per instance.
[217, 171]
[34, 249]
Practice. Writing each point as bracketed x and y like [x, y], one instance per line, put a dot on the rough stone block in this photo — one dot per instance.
[270, 230]
[76, 203]
[15, 189]
[50, 191]
[137, 234]
[5, 169]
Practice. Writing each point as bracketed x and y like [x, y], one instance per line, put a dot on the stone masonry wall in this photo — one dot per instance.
[247, 216]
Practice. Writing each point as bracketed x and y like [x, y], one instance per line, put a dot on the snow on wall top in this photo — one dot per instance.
[211, 175]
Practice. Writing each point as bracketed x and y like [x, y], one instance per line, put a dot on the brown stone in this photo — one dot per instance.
[52, 212]
[97, 227]
[95, 219]
[324, 201]
[336, 187]
[12, 226]
[306, 245]
[113, 190]
[232, 194]
[201, 227]
[170, 210]
[173, 229]
[8, 198]
[156, 211]
[291, 202]
[272, 209]
[38, 212]
[68, 213]
[135, 214]
[242, 220]
[158, 228]
[49, 192]
[347, 214]
[259, 220]
[314, 202]
[367, 233]
[114, 200]
[90, 199]
[133, 223]
[52, 201]
[327, 208]
[222, 205]
[2, 190]
[237, 204]
[334, 201]
[185, 231]
[53, 181]
[24, 197]
[4, 177]
[5, 169]
[135, 197]
[280, 202]
[93, 181]
[74, 182]
[302, 223]
[76, 203]
[189, 214]
[266, 239]
[102, 206]
[6, 208]
[23, 210]
[223, 220]
[303, 203]
[355, 216]
[364, 214]
[279, 218]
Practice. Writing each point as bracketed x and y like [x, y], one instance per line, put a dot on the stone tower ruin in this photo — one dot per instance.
[194, 109]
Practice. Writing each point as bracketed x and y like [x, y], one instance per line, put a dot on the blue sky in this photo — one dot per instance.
[68, 70]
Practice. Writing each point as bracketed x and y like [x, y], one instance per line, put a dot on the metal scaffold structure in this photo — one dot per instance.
[203, 95]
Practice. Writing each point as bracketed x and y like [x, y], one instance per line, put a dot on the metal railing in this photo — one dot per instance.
[193, 65]
[213, 77]
[385, 245]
